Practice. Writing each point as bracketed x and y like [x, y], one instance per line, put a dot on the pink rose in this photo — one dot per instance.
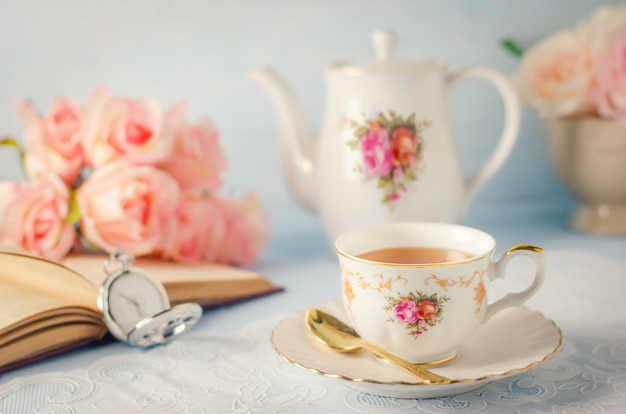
[127, 206]
[197, 159]
[376, 151]
[557, 74]
[609, 92]
[53, 142]
[119, 128]
[246, 230]
[196, 231]
[34, 216]
[406, 311]
[603, 23]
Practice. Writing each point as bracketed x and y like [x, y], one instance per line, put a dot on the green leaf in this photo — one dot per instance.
[409, 173]
[383, 182]
[394, 116]
[73, 215]
[513, 48]
[383, 121]
[11, 142]
[411, 120]
[352, 144]
[360, 131]
[422, 125]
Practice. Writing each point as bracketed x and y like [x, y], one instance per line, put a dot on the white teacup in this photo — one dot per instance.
[418, 290]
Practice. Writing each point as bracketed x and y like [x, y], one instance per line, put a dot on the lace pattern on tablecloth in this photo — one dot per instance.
[240, 373]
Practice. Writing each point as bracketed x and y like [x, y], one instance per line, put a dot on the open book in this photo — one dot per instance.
[47, 307]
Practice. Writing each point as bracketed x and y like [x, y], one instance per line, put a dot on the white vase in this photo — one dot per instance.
[589, 156]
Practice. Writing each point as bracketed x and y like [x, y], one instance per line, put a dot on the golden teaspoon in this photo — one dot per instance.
[343, 338]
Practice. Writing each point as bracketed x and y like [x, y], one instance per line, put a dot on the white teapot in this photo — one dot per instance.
[385, 152]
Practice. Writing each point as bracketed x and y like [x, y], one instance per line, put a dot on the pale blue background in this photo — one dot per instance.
[200, 51]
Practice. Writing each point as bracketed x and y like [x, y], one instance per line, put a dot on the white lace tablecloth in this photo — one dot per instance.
[240, 373]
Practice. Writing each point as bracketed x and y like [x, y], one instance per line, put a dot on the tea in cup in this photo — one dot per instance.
[419, 290]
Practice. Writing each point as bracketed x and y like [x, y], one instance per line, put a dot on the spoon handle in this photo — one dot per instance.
[426, 376]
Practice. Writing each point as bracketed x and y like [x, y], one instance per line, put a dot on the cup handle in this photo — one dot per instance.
[512, 116]
[498, 271]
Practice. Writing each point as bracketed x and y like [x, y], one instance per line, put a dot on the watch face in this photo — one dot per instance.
[130, 297]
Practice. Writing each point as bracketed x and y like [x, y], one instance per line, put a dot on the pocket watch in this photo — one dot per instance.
[136, 308]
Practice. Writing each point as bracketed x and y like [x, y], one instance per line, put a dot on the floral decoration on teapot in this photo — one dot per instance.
[391, 148]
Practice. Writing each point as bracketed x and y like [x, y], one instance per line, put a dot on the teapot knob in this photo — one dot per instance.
[383, 40]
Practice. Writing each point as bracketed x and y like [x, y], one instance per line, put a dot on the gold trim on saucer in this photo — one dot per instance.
[492, 377]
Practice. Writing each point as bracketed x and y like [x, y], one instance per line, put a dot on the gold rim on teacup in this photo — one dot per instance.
[472, 258]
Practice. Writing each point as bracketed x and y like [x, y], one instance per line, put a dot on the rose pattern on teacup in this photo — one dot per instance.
[417, 311]
[423, 312]
[352, 281]
[391, 149]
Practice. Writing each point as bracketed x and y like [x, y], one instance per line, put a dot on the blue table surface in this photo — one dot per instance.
[299, 259]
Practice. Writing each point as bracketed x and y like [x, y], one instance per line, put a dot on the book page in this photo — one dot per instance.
[48, 341]
[205, 283]
[18, 303]
[51, 278]
[44, 307]
[91, 267]
[49, 320]
[77, 278]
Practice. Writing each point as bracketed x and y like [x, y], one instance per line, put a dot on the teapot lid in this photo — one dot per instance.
[384, 41]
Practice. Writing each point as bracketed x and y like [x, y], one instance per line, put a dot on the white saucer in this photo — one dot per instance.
[513, 341]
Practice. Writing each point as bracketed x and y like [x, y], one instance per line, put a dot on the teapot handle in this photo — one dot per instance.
[512, 115]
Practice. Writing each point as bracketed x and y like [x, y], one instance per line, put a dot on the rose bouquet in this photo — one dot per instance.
[579, 71]
[416, 311]
[391, 151]
[121, 172]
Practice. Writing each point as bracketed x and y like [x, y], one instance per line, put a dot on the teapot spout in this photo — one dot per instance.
[296, 136]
